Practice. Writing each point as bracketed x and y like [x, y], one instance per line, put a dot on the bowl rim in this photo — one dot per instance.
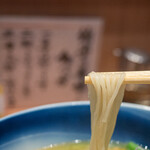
[71, 103]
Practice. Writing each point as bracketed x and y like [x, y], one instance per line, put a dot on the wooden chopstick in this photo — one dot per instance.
[131, 77]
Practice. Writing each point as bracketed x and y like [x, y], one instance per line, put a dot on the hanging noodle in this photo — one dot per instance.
[105, 94]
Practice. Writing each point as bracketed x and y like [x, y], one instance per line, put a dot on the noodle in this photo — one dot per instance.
[105, 94]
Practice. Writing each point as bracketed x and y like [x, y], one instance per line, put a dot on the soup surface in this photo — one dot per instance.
[78, 145]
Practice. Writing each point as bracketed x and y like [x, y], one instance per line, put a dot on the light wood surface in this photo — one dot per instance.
[132, 77]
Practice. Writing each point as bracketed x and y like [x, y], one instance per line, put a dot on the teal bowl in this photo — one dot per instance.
[65, 122]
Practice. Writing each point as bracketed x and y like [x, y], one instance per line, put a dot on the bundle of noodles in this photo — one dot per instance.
[105, 94]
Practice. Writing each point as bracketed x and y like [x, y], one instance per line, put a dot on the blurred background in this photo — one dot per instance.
[41, 41]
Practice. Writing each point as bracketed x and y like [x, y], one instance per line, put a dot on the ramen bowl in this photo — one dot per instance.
[66, 122]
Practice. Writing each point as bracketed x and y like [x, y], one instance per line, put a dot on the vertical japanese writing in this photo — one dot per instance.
[9, 65]
[65, 62]
[40, 58]
[44, 59]
[26, 43]
[85, 38]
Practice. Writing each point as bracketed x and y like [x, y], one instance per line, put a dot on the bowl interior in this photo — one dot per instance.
[53, 124]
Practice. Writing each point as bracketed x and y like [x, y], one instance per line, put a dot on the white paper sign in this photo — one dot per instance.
[44, 60]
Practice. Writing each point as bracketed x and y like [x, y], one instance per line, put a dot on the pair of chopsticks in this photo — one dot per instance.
[131, 77]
